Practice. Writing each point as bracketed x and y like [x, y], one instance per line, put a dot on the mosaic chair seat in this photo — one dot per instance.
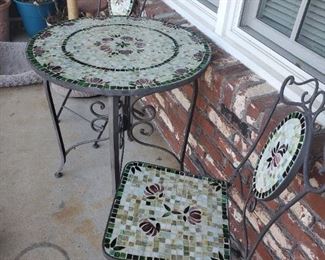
[162, 213]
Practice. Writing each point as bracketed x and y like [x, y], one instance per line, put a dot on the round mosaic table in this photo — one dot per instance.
[116, 57]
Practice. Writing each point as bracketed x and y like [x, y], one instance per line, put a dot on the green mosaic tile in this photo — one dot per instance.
[119, 53]
[166, 214]
[279, 155]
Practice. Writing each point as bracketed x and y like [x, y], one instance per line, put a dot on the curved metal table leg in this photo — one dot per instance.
[57, 129]
[114, 138]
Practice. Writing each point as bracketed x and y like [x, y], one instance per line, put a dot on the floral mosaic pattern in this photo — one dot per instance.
[120, 45]
[166, 214]
[119, 54]
[120, 7]
[279, 155]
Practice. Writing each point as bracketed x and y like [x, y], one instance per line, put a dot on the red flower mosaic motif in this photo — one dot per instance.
[125, 52]
[144, 82]
[106, 48]
[45, 34]
[276, 155]
[108, 39]
[199, 55]
[149, 228]
[154, 191]
[54, 68]
[94, 80]
[118, 44]
[181, 72]
[194, 215]
[38, 51]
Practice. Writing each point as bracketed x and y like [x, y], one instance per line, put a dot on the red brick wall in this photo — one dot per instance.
[231, 106]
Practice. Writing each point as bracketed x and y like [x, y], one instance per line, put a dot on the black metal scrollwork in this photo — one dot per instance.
[308, 100]
[144, 117]
[99, 123]
[100, 117]
[251, 204]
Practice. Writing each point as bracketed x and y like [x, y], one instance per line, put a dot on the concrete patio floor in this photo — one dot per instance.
[42, 217]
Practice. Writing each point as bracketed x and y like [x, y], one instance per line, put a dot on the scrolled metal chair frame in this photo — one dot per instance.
[306, 106]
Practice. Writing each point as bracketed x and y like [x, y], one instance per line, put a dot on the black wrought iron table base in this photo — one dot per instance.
[123, 117]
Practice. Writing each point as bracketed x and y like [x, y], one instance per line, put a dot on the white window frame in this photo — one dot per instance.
[302, 52]
[227, 34]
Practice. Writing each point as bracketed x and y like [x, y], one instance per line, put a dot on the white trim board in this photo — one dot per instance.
[252, 53]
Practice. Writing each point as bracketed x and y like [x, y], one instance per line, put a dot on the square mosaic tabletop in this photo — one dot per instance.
[118, 55]
[161, 213]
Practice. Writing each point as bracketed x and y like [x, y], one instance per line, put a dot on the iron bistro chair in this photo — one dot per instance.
[162, 213]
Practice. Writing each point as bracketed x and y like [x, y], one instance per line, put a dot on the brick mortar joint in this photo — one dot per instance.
[304, 204]
[237, 207]
[307, 230]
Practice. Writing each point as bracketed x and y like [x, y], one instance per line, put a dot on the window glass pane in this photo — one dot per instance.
[279, 14]
[211, 4]
[312, 33]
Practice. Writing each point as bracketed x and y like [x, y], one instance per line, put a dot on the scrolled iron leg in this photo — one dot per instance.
[100, 116]
[57, 129]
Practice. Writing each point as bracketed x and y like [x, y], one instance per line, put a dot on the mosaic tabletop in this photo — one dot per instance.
[280, 156]
[161, 213]
[118, 55]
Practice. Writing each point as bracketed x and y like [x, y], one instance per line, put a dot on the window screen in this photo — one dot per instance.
[293, 28]
[279, 14]
[211, 4]
[312, 33]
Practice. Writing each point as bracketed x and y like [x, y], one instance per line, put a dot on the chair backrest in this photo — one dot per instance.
[285, 152]
[120, 7]
[126, 7]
